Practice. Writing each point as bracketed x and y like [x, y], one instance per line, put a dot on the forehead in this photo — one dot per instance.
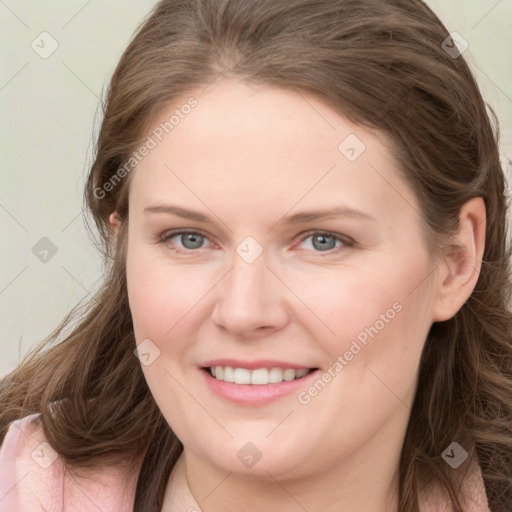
[260, 146]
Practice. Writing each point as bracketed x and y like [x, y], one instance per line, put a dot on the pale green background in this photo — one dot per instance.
[49, 111]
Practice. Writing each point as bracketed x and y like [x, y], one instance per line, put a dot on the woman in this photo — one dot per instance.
[303, 209]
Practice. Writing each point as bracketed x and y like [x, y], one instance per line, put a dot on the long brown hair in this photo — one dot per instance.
[380, 63]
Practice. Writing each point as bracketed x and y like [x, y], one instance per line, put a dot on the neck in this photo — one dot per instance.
[366, 480]
[326, 491]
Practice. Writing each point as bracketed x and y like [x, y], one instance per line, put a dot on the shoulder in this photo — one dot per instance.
[33, 477]
[472, 494]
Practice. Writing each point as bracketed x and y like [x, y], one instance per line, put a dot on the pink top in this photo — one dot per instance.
[33, 479]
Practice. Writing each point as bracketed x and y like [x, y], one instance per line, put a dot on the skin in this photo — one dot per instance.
[247, 157]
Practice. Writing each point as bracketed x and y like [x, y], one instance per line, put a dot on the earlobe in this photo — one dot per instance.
[115, 223]
[459, 268]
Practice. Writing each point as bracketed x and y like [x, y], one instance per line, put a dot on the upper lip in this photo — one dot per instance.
[254, 365]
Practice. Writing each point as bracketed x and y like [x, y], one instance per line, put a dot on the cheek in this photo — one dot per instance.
[373, 322]
[164, 303]
[386, 322]
[160, 294]
[348, 301]
[380, 322]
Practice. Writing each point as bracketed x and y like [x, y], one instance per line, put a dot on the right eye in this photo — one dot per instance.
[190, 240]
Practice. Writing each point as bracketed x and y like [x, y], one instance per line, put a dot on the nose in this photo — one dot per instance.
[251, 301]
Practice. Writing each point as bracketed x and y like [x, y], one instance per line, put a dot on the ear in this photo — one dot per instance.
[115, 223]
[459, 268]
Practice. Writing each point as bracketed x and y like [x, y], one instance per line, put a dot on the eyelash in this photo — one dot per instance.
[165, 237]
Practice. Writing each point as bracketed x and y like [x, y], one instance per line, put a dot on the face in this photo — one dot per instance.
[269, 234]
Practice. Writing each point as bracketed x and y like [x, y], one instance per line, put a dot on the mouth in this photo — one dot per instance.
[257, 376]
[256, 386]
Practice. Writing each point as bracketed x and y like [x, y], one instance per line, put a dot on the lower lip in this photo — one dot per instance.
[252, 394]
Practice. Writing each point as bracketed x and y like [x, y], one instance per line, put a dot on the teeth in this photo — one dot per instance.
[289, 374]
[275, 375]
[258, 377]
[240, 376]
[229, 374]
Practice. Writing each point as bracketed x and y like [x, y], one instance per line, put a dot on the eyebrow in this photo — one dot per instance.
[297, 218]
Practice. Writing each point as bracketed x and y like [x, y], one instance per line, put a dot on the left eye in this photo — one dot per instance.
[325, 241]
[321, 241]
[190, 239]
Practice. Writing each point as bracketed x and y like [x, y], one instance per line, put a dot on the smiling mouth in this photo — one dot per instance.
[257, 377]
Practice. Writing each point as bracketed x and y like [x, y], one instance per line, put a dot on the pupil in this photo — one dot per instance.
[194, 238]
[322, 239]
